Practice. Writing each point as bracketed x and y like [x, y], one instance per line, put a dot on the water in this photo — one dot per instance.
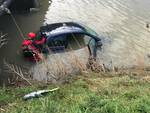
[27, 22]
[121, 22]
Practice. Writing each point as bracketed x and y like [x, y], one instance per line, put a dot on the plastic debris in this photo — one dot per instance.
[37, 94]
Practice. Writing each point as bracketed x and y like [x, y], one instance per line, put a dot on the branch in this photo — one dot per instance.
[16, 70]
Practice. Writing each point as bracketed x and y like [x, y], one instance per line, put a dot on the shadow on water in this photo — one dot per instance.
[27, 22]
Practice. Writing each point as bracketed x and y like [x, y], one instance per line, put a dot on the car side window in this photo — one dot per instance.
[57, 41]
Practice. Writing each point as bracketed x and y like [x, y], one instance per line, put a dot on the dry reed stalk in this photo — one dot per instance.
[103, 68]
[61, 67]
[77, 63]
[51, 67]
[3, 110]
[11, 68]
[141, 64]
[94, 66]
[56, 69]
[3, 40]
[48, 69]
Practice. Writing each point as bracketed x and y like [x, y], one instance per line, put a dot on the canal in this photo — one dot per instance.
[121, 23]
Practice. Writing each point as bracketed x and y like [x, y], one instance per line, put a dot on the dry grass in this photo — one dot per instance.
[12, 68]
[3, 40]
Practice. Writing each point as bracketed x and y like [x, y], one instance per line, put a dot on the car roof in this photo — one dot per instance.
[58, 29]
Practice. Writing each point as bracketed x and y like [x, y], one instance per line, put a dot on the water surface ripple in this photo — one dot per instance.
[121, 22]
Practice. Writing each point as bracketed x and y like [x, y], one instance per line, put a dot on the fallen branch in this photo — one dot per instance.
[16, 70]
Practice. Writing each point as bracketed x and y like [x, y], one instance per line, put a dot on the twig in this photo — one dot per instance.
[16, 70]
[1, 109]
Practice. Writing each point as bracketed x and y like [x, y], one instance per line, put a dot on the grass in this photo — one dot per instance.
[92, 93]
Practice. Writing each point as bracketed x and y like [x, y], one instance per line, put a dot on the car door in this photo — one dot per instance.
[92, 47]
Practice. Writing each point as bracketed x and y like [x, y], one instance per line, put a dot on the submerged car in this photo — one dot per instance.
[62, 37]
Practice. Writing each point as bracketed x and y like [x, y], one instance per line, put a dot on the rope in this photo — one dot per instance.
[14, 20]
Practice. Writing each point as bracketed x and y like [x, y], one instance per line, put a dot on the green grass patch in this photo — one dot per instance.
[86, 94]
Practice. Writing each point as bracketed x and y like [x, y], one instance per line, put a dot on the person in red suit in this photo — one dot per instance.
[32, 47]
[37, 41]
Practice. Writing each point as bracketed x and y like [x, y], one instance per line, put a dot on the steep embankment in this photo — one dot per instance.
[91, 93]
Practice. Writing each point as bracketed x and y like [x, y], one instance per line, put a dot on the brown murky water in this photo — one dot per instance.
[121, 22]
[27, 22]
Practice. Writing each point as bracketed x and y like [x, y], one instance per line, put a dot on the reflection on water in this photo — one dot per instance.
[27, 22]
[121, 22]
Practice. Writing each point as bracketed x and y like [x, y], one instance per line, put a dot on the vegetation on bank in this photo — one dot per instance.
[91, 93]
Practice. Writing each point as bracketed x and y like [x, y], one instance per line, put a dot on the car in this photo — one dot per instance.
[67, 36]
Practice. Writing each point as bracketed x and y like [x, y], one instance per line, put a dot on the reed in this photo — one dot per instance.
[3, 39]
[60, 69]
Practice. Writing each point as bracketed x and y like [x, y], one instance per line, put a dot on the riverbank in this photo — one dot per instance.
[90, 93]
